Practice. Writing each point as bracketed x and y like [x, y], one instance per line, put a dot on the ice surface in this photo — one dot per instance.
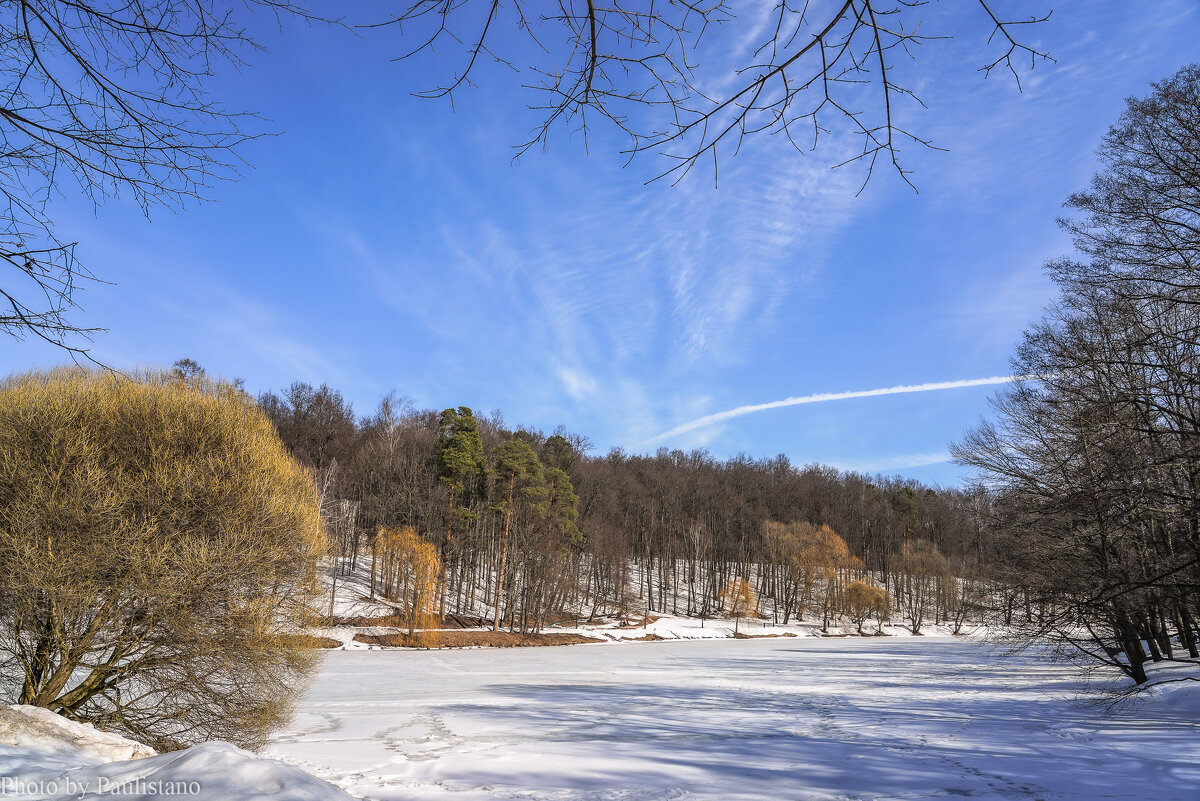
[811, 719]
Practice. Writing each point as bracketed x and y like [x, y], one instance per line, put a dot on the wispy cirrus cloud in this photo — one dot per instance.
[885, 463]
[824, 397]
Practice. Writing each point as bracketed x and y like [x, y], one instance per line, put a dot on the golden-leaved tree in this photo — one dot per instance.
[863, 599]
[158, 553]
[410, 573]
[740, 599]
[810, 561]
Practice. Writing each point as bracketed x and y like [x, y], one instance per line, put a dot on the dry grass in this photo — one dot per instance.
[394, 620]
[473, 639]
[398, 621]
[312, 641]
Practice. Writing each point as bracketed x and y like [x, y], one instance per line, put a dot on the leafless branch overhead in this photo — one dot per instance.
[636, 66]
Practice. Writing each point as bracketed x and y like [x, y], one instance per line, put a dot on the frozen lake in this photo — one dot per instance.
[802, 719]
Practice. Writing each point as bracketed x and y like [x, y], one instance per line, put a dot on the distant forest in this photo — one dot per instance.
[620, 532]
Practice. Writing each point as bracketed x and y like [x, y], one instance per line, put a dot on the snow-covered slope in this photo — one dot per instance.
[44, 757]
[352, 599]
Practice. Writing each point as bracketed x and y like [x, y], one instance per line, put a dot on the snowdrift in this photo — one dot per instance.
[39, 729]
[44, 757]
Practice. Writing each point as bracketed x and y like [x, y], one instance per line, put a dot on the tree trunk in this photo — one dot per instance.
[512, 486]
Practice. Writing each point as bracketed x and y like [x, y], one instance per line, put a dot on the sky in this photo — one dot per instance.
[381, 242]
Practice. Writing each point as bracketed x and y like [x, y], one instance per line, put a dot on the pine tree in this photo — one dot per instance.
[519, 469]
[460, 468]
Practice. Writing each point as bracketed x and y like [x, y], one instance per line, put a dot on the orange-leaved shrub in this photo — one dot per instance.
[158, 553]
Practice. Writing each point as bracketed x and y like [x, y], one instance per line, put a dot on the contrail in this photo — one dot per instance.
[822, 397]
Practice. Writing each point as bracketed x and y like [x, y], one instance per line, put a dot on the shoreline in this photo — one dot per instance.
[354, 638]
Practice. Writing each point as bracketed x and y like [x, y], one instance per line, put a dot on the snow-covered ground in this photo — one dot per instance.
[810, 719]
[44, 757]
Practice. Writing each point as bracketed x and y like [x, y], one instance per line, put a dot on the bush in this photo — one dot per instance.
[863, 600]
[158, 553]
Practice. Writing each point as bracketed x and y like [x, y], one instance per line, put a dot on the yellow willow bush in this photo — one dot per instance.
[739, 597]
[813, 560]
[862, 600]
[410, 573]
[158, 550]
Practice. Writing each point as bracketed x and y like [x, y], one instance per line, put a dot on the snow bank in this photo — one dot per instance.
[1174, 686]
[1180, 695]
[44, 757]
[39, 729]
[677, 627]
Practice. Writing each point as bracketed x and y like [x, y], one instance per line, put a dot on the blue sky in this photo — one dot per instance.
[382, 242]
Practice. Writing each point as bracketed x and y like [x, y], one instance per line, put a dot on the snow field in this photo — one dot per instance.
[811, 719]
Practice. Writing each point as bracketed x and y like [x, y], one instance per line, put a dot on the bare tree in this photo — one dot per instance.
[637, 67]
[1094, 457]
[187, 369]
[1138, 223]
[920, 565]
[109, 97]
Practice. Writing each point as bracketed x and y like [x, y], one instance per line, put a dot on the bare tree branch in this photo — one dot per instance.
[108, 95]
[636, 67]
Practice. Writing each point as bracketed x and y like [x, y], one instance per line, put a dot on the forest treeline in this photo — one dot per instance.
[535, 526]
